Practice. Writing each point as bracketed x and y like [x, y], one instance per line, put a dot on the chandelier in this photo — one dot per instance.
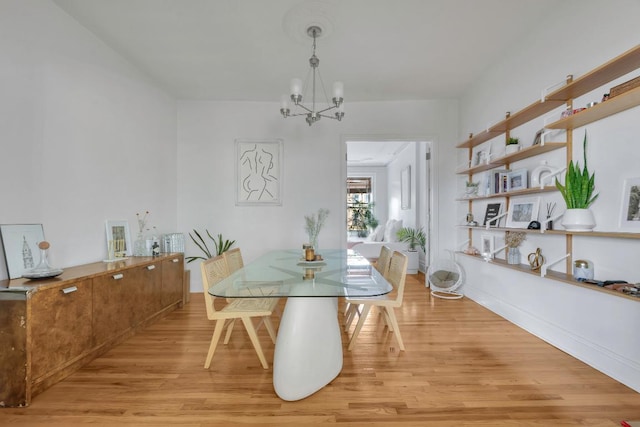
[313, 115]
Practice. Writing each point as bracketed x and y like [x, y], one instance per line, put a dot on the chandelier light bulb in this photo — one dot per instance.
[338, 90]
[296, 87]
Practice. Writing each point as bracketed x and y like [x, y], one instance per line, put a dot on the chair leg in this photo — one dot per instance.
[363, 317]
[350, 315]
[229, 330]
[214, 341]
[248, 324]
[394, 322]
[269, 325]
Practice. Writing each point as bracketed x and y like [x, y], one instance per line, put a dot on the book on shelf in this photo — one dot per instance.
[498, 180]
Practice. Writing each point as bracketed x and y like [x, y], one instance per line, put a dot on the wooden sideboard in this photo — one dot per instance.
[50, 328]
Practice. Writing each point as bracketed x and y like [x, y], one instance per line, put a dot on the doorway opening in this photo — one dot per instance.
[387, 181]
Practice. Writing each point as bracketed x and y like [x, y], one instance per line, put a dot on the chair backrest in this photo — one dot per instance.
[213, 271]
[397, 274]
[382, 265]
[234, 259]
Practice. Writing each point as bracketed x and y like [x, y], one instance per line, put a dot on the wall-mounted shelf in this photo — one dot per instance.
[522, 192]
[598, 77]
[553, 275]
[612, 234]
[600, 111]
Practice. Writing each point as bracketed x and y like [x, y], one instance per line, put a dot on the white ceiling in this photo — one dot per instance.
[250, 49]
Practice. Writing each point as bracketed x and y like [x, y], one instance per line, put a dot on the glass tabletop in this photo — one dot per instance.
[285, 273]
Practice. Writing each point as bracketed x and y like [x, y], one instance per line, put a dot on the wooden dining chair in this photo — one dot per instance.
[234, 259]
[213, 271]
[386, 303]
[382, 265]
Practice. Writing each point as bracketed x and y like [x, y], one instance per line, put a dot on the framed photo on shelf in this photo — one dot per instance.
[118, 239]
[20, 247]
[522, 212]
[492, 211]
[517, 180]
[630, 211]
[538, 138]
[487, 246]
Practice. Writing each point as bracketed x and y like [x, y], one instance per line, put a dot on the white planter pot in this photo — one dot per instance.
[578, 220]
[512, 148]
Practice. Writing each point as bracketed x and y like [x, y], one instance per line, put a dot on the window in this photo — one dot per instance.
[360, 206]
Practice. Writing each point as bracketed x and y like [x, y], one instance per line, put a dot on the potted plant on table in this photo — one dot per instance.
[578, 194]
[313, 225]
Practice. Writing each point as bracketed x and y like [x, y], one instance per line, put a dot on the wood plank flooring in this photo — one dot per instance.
[464, 366]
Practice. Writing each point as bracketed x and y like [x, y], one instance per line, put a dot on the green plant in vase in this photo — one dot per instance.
[414, 237]
[578, 194]
[513, 145]
[313, 225]
[221, 246]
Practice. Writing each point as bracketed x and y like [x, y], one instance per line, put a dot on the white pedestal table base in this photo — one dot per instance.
[308, 352]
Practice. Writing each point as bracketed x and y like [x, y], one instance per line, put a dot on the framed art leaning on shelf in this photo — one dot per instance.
[492, 211]
[522, 212]
[630, 211]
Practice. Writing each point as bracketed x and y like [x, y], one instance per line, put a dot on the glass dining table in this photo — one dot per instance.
[308, 351]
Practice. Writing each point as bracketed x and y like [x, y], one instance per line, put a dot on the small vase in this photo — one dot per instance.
[512, 148]
[140, 246]
[578, 220]
[513, 256]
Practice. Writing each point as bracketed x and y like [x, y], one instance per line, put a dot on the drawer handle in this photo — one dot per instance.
[151, 267]
[175, 260]
[69, 289]
[118, 276]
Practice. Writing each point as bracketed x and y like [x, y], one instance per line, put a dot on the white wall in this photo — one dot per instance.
[597, 328]
[406, 158]
[84, 137]
[314, 168]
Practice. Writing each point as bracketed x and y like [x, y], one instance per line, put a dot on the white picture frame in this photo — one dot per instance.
[487, 246]
[405, 188]
[20, 247]
[118, 239]
[517, 180]
[522, 212]
[259, 165]
[630, 208]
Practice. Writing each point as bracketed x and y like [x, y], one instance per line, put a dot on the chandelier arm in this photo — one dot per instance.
[304, 108]
[331, 107]
[328, 117]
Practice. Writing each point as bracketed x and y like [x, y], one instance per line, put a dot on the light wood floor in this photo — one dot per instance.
[463, 366]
